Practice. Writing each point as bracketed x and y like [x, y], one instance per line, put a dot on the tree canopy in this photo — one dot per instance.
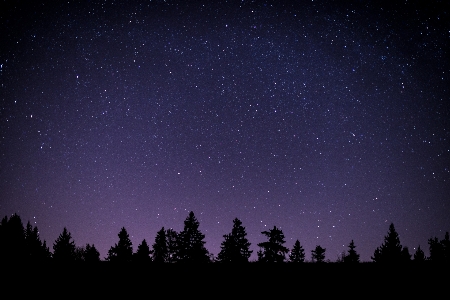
[64, 247]
[190, 242]
[273, 250]
[123, 250]
[235, 248]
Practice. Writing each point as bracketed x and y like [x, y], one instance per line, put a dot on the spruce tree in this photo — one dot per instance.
[419, 255]
[235, 247]
[440, 250]
[64, 248]
[160, 250]
[273, 250]
[297, 254]
[143, 253]
[172, 245]
[123, 250]
[91, 254]
[391, 250]
[190, 242]
[318, 254]
[352, 256]
[12, 239]
[406, 256]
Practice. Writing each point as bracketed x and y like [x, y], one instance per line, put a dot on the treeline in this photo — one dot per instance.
[19, 243]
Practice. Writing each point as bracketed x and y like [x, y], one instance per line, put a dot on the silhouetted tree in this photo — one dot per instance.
[172, 245]
[91, 254]
[64, 249]
[35, 250]
[318, 254]
[273, 250]
[391, 250]
[12, 239]
[160, 249]
[439, 250]
[123, 250]
[352, 256]
[143, 253]
[419, 255]
[235, 247]
[190, 244]
[297, 253]
[406, 256]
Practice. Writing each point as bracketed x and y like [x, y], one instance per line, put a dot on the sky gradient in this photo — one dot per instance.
[328, 121]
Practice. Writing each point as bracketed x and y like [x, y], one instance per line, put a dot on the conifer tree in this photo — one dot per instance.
[12, 239]
[172, 245]
[273, 250]
[190, 242]
[318, 254]
[297, 253]
[160, 249]
[406, 256]
[91, 254]
[352, 256]
[64, 248]
[123, 250]
[419, 255]
[440, 250]
[143, 253]
[391, 250]
[235, 247]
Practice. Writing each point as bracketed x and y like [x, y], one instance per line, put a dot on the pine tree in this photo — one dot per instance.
[419, 255]
[297, 253]
[406, 256]
[172, 245]
[160, 250]
[122, 251]
[190, 244]
[235, 247]
[318, 254]
[391, 250]
[12, 239]
[352, 256]
[143, 253]
[64, 247]
[91, 254]
[440, 250]
[273, 250]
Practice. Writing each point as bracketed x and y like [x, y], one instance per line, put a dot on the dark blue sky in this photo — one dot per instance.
[328, 121]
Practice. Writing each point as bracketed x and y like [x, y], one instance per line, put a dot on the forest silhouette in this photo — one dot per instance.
[19, 243]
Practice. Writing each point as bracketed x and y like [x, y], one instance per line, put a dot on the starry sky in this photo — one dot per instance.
[327, 120]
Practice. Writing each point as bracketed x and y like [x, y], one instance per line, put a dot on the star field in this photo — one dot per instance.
[328, 121]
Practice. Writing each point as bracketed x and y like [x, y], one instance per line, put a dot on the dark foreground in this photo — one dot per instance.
[217, 280]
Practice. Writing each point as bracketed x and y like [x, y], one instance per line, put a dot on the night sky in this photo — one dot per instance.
[329, 121]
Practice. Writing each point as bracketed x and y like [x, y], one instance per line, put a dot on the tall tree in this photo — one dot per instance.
[235, 247]
[143, 253]
[297, 253]
[35, 248]
[440, 250]
[318, 254]
[391, 250]
[352, 256]
[190, 242]
[273, 250]
[172, 245]
[123, 250]
[64, 247]
[160, 249]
